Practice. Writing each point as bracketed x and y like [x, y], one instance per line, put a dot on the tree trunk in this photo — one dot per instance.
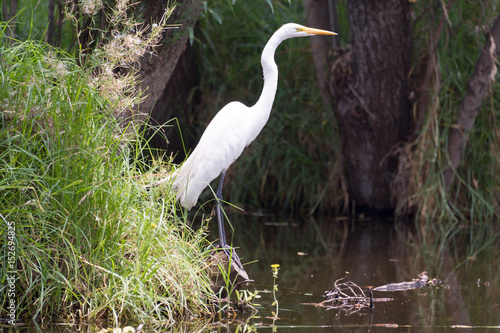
[8, 16]
[373, 108]
[49, 36]
[484, 73]
[156, 70]
[169, 76]
[174, 102]
[317, 16]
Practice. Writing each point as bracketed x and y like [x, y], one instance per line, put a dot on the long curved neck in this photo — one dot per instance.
[270, 70]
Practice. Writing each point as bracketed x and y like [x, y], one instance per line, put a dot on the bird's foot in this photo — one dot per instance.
[233, 260]
[232, 256]
[226, 271]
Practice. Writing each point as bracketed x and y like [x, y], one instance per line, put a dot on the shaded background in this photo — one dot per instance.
[396, 115]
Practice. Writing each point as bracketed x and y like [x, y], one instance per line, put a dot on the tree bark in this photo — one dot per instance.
[477, 89]
[169, 76]
[373, 108]
[156, 70]
[8, 15]
[51, 28]
[174, 102]
[318, 16]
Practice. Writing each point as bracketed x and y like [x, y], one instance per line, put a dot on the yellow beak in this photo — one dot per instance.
[313, 31]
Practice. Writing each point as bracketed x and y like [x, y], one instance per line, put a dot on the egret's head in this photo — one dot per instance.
[297, 30]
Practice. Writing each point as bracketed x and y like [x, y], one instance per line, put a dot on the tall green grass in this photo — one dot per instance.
[90, 242]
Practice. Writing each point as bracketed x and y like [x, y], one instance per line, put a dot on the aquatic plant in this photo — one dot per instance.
[275, 268]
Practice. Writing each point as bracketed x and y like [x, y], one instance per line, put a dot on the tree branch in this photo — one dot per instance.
[432, 74]
[477, 90]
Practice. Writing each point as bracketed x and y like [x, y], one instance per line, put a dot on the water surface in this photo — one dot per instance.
[313, 254]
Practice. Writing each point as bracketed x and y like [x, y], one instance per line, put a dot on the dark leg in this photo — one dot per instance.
[218, 210]
[231, 253]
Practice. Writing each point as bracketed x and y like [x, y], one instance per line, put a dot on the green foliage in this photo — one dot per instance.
[475, 191]
[90, 242]
[293, 164]
[31, 22]
[467, 214]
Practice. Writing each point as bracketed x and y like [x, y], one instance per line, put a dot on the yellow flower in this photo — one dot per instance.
[275, 266]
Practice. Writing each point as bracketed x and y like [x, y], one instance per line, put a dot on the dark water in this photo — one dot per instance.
[312, 255]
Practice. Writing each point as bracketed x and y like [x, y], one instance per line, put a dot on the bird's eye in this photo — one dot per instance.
[299, 29]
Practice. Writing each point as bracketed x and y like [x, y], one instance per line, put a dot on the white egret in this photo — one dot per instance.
[233, 128]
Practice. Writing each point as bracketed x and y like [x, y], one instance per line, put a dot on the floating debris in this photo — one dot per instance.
[422, 281]
[347, 296]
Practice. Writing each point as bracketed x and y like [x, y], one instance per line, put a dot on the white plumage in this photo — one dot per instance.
[234, 127]
[220, 145]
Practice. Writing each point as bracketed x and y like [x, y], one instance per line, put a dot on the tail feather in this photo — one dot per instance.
[179, 181]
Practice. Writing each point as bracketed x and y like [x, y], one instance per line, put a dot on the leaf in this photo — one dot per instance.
[270, 5]
[76, 182]
[191, 35]
[215, 15]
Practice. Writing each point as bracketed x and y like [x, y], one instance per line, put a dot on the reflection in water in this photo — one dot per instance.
[314, 254]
